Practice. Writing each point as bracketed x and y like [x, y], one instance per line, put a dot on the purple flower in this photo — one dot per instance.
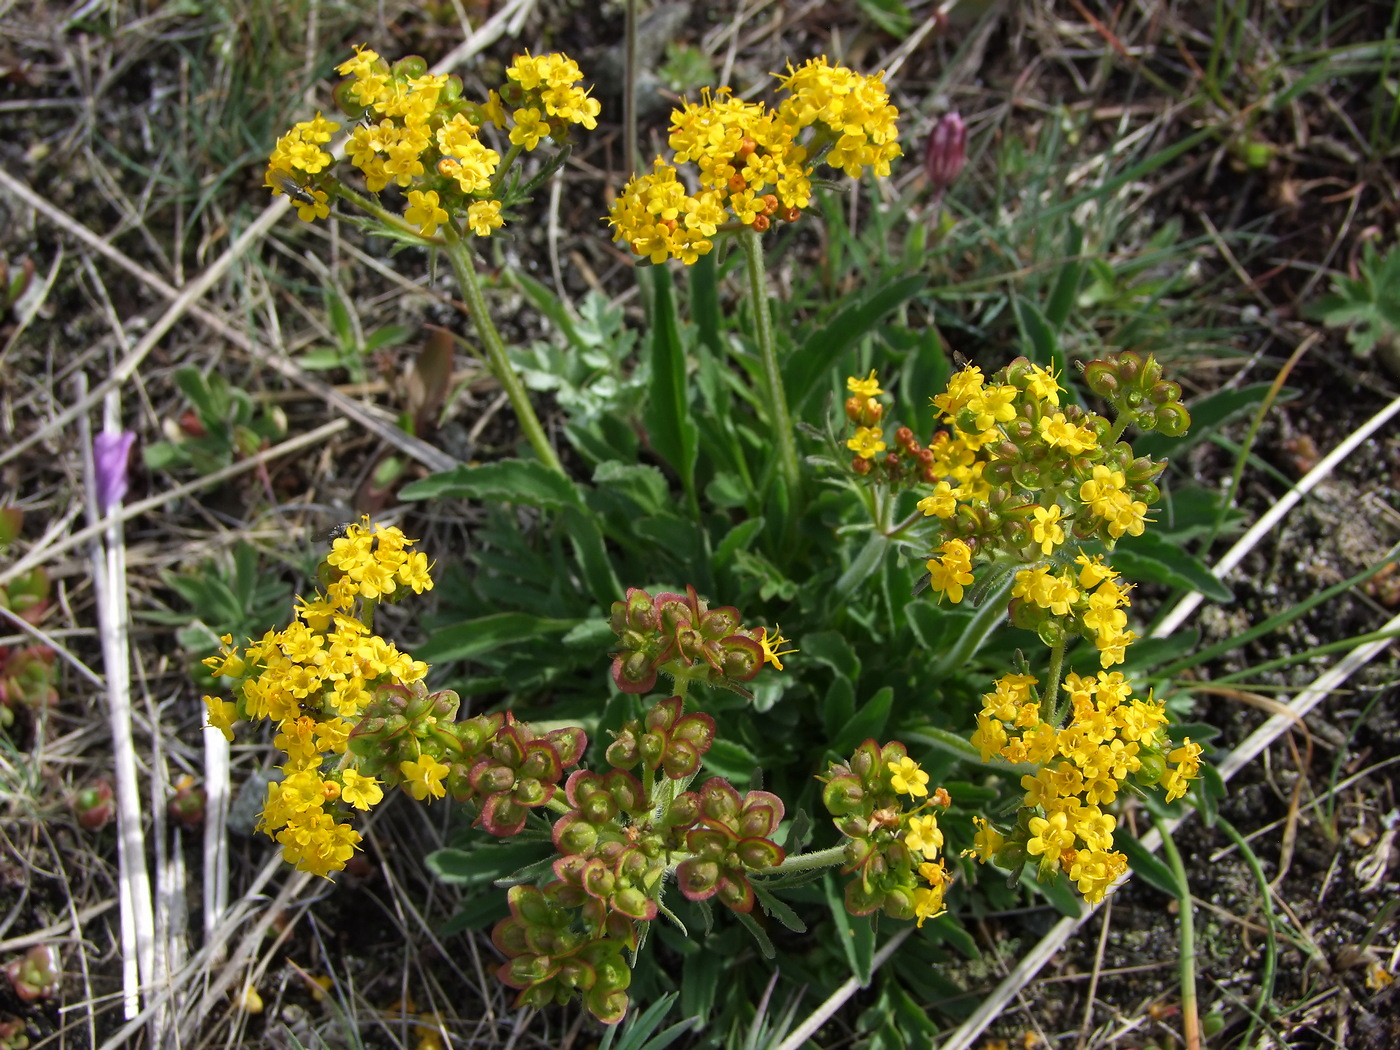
[946, 153]
[110, 451]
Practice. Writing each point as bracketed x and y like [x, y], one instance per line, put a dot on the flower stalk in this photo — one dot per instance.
[784, 434]
[464, 266]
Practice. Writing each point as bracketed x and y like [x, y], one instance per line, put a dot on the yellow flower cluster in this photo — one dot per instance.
[314, 679]
[1022, 478]
[921, 836]
[1091, 599]
[751, 162]
[416, 131]
[1083, 765]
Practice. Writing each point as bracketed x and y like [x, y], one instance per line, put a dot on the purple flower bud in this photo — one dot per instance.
[110, 451]
[946, 153]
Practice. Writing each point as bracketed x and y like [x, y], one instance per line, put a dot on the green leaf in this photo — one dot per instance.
[483, 864]
[667, 410]
[464, 641]
[779, 909]
[643, 484]
[1038, 333]
[551, 306]
[591, 554]
[704, 303]
[765, 946]
[932, 624]
[890, 15]
[832, 649]
[1066, 290]
[700, 976]
[950, 931]
[868, 721]
[819, 353]
[1148, 866]
[839, 706]
[865, 565]
[855, 933]
[524, 481]
[322, 360]
[1058, 892]
[730, 760]
[1149, 557]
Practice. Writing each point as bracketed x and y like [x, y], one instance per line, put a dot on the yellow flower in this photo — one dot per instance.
[772, 651]
[951, 572]
[924, 836]
[484, 216]
[359, 790]
[530, 128]
[928, 901]
[424, 775]
[222, 715]
[424, 212]
[867, 387]
[866, 442]
[907, 778]
[1046, 530]
[986, 841]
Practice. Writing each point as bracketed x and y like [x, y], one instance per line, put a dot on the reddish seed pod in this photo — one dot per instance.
[860, 466]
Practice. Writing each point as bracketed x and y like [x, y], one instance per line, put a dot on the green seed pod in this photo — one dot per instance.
[1173, 419]
[409, 66]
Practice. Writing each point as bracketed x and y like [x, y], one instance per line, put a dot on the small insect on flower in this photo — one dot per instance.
[293, 189]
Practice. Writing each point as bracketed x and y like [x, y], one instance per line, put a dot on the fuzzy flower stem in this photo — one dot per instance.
[559, 805]
[464, 265]
[371, 207]
[783, 433]
[1190, 1015]
[822, 858]
[898, 531]
[502, 168]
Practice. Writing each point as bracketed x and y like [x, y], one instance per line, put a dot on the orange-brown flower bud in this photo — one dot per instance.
[760, 224]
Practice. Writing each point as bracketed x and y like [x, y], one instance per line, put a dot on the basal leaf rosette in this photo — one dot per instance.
[730, 840]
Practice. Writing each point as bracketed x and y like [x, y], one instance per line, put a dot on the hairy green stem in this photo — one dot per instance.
[1190, 1015]
[464, 266]
[784, 435]
[822, 858]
